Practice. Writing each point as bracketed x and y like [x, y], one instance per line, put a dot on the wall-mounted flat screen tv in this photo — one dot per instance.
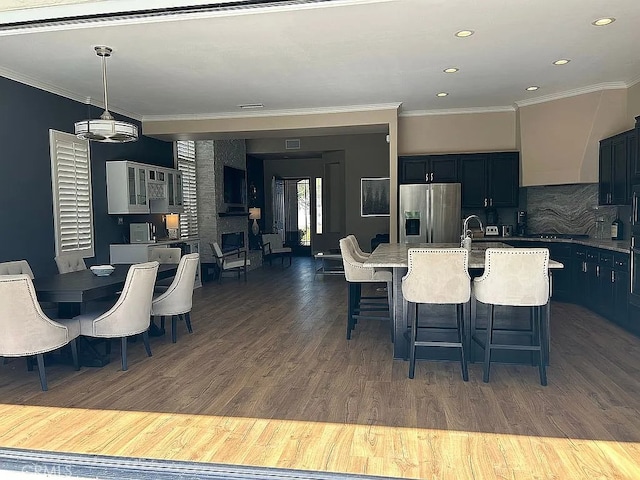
[235, 186]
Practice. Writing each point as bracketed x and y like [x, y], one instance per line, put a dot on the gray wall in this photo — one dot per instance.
[26, 203]
[365, 155]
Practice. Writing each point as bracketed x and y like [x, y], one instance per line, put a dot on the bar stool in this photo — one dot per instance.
[357, 274]
[437, 276]
[516, 277]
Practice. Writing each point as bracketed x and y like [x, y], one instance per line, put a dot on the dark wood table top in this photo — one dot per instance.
[84, 286]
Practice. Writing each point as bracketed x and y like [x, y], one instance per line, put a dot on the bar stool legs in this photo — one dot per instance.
[412, 312]
[360, 307]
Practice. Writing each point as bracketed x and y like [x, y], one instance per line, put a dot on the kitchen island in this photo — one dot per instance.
[395, 256]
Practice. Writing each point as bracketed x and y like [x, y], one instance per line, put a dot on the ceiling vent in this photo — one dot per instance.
[292, 144]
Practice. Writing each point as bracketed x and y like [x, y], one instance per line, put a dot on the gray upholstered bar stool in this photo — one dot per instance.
[515, 277]
[358, 253]
[357, 274]
[437, 276]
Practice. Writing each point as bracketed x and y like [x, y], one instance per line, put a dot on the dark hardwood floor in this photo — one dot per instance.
[268, 378]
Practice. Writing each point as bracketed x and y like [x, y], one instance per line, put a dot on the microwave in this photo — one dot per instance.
[142, 233]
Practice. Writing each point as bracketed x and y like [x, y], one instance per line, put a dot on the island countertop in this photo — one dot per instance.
[395, 255]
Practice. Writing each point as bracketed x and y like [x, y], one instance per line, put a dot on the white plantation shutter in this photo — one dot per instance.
[71, 184]
[186, 155]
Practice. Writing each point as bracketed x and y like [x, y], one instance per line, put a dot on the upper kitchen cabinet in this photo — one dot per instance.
[634, 154]
[429, 169]
[613, 167]
[127, 187]
[139, 188]
[490, 179]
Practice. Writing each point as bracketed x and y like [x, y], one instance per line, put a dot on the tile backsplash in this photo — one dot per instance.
[570, 209]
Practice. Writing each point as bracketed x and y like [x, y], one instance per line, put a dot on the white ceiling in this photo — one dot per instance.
[331, 55]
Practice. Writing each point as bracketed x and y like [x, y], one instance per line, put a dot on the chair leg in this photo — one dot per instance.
[487, 346]
[123, 342]
[187, 320]
[461, 338]
[414, 335]
[541, 357]
[145, 340]
[43, 376]
[74, 353]
[245, 273]
[162, 322]
[30, 364]
[174, 328]
[350, 309]
[533, 327]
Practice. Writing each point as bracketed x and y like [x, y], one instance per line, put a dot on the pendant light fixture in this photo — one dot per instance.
[106, 128]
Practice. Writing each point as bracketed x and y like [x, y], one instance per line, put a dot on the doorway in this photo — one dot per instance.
[292, 214]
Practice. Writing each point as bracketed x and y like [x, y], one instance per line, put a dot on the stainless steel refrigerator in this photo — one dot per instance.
[430, 213]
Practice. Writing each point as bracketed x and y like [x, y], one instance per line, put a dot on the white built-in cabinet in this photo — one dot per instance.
[140, 188]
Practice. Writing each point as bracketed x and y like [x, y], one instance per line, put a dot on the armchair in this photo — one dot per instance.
[272, 246]
[233, 261]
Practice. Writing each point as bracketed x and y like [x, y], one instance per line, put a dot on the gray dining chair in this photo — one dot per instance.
[70, 262]
[130, 315]
[26, 330]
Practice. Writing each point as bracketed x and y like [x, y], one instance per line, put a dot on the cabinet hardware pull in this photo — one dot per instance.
[597, 270]
[432, 176]
[426, 177]
[491, 202]
[613, 277]
[584, 267]
[634, 216]
[485, 202]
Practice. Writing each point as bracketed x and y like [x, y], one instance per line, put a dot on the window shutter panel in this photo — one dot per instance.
[72, 200]
[186, 153]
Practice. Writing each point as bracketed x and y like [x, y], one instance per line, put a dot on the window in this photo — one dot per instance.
[71, 185]
[186, 159]
[319, 206]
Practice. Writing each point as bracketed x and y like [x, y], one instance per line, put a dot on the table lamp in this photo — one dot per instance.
[255, 215]
[172, 222]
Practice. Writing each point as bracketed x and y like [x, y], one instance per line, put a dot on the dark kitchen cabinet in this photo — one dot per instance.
[429, 169]
[490, 180]
[620, 280]
[634, 155]
[592, 284]
[578, 274]
[617, 163]
[561, 277]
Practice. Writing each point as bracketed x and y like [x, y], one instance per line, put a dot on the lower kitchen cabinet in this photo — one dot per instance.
[561, 278]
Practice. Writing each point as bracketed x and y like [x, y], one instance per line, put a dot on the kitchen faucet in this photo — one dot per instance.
[466, 233]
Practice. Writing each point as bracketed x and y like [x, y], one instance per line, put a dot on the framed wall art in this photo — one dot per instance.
[374, 197]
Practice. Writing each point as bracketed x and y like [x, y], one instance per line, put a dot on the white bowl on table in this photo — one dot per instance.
[102, 270]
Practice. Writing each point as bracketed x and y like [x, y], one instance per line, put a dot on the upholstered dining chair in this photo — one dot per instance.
[437, 276]
[357, 274]
[131, 313]
[70, 262]
[516, 277]
[272, 246]
[176, 302]
[26, 330]
[168, 255]
[362, 256]
[233, 261]
[16, 267]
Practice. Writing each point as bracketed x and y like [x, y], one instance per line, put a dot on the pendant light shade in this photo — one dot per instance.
[106, 129]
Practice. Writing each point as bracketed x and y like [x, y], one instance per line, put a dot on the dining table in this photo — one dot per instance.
[72, 292]
[395, 256]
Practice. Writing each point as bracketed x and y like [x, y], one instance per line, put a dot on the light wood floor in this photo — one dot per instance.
[268, 378]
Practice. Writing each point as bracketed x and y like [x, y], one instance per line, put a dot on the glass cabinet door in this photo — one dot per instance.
[131, 185]
[170, 189]
[178, 189]
[142, 183]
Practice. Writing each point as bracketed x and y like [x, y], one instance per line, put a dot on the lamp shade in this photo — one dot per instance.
[173, 220]
[254, 213]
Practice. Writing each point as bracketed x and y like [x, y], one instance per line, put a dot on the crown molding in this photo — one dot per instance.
[457, 111]
[47, 87]
[572, 93]
[275, 113]
[633, 82]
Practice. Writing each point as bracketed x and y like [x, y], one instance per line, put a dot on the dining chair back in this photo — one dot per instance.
[26, 330]
[177, 301]
[131, 314]
[165, 255]
[70, 262]
[357, 251]
[16, 267]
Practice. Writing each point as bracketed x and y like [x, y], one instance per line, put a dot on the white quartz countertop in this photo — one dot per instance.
[396, 254]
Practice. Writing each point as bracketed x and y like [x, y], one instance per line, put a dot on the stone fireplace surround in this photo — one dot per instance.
[211, 157]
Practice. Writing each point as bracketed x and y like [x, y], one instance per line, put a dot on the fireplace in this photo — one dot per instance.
[232, 241]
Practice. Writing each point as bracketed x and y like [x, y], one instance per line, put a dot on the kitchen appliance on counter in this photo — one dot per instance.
[142, 233]
[521, 223]
[493, 220]
[430, 213]
[507, 230]
[491, 231]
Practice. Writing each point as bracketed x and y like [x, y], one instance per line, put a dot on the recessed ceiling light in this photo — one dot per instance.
[251, 105]
[601, 22]
[464, 33]
[562, 61]
[442, 94]
[532, 88]
[450, 70]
